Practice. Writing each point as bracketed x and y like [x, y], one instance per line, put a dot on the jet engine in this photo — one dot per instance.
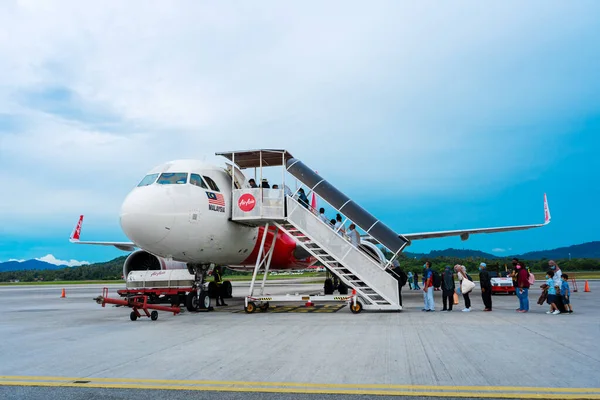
[141, 260]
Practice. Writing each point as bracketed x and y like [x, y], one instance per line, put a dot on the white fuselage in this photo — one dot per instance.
[175, 219]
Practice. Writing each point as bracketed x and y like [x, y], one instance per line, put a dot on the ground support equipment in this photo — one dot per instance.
[250, 302]
[137, 302]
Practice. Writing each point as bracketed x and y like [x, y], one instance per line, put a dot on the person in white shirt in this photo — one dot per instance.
[323, 216]
[338, 227]
[353, 234]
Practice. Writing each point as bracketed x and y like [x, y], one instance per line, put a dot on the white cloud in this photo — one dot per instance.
[14, 259]
[445, 100]
[498, 250]
[49, 258]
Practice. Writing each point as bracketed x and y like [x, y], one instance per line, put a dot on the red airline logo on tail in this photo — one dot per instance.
[546, 210]
[77, 231]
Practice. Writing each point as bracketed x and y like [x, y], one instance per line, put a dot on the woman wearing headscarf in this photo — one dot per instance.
[461, 272]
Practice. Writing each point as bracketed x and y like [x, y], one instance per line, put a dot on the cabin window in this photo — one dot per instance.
[211, 183]
[196, 180]
[172, 178]
[148, 180]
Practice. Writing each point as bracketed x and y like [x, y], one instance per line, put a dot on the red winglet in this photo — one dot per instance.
[77, 232]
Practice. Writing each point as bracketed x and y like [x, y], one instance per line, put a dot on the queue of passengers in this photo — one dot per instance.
[555, 290]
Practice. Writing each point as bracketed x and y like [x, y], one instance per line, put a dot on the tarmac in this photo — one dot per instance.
[73, 348]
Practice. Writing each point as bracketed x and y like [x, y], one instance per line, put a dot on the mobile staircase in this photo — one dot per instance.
[373, 285]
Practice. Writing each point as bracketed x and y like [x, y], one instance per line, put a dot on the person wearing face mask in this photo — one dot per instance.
[428, 287]
[522, 287]
[486, 287]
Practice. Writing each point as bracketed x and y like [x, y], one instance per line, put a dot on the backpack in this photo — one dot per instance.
[437, 279]
[531, 279]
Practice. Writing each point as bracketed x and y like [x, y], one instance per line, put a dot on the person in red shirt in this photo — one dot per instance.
[522, 287]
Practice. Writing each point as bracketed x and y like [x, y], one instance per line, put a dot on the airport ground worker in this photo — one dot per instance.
[486, 286]
[219, 281]
[448, 288]
[428, 287]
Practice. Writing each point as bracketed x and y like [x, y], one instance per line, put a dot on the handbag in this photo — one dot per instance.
[455, 300]
[466, 286]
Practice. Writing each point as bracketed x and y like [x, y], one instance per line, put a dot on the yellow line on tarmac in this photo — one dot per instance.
[304, 385]
[309, 391]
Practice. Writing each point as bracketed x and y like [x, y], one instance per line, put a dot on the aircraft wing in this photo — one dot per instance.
[125, 246]
[465, 233]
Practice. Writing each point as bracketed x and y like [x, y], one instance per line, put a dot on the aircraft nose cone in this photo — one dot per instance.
[147, 215]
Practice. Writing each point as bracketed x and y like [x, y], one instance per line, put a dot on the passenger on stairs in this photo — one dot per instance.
[302, 198]
[252, 183]
[354, 236]
[323, 216]
[339, 228]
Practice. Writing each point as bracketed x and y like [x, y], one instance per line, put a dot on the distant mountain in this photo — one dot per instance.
[27, 265]
[454, 253]
[584, 250]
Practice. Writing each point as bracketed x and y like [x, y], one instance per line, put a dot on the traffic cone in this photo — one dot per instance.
[63, 294]
[586, 287]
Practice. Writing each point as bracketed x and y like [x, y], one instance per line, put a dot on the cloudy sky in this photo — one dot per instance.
[430, 115]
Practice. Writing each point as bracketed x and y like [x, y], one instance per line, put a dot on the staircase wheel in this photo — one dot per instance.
[356, 308]
[250, 308]
[264, 306]
[154, 315]
[133, 316]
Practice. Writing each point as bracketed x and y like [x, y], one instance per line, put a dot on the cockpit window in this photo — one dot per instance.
[170, 178]
[148, 180]
[211, 183]
[195, 179]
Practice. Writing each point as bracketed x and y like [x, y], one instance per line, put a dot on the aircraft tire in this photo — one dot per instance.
[191, 301]
[342, 288]
[204, 302]
[328, 286]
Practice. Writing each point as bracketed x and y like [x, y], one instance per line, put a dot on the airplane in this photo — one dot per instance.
[180, 216]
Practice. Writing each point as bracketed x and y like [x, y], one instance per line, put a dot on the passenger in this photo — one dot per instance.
[514, 275]
[486, 287]
[416, 280]
[557, 274]
[461, 272]
[410, 280]
[275, 186]
[354, 236]
[219, 281]
[400, 277]
[302, 198]
[252, 183]
[448, 288]
[428, 287]
[551, 293]
[265, 184]
[332, 222]
[323, 216]
[339, 228]
[565, 293]
[523, 288]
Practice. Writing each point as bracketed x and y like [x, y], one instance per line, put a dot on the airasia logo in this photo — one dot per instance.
[246, 202]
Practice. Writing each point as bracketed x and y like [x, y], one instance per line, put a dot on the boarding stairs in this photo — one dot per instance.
[373, 284]
[369, 277]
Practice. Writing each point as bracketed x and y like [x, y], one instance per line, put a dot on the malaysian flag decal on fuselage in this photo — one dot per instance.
[216, 202]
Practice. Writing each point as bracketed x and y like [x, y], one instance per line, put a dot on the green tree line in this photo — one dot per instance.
[113, 270]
